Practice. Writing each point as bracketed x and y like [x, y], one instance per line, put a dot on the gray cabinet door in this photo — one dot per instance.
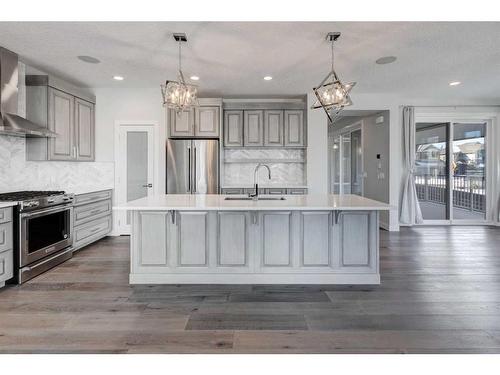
[181, 124]
[233, 128]
[61, 120]
[273, 128]
[253, 134]
[294, 128]
[207, 121]
[84, 130]
[357, 238]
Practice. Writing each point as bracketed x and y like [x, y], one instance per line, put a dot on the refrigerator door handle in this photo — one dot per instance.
[194, 171]
[189, 170]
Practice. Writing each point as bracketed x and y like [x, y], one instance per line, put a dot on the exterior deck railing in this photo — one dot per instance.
[469, 192]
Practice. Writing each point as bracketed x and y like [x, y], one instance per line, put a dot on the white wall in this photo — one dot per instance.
[317, 149]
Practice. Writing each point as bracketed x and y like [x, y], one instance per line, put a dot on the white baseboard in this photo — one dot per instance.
[254, 278]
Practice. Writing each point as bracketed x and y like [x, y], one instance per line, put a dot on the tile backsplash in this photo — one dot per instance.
[287, 167]
[18, 174]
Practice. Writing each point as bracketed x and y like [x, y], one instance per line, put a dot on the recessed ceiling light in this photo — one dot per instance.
[268, 78]
[195, 78]
[386, 60]
[118, 78]
[455, 83]
[89, 59]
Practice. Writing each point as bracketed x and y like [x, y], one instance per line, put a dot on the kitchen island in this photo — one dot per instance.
[217, 239]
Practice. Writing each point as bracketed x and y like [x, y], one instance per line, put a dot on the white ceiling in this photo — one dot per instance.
[232, 58]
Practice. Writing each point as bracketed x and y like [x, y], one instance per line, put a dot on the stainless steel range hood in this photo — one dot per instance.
[10, 122]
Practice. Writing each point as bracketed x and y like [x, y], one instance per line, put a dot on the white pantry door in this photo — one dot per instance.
[135, 168]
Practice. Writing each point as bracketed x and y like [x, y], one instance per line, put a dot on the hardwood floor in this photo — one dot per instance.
[440, 293]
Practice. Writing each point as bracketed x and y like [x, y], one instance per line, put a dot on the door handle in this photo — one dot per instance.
[189, 170]
[148, 185]
[194, 174]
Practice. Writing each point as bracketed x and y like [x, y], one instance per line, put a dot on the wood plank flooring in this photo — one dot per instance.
[440, 293]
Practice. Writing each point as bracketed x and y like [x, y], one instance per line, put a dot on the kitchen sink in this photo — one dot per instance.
[251, 199]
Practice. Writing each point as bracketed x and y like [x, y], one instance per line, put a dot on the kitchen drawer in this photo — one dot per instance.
[5, 236]
[232, 191]
[89, 212]
[5, 214]
[297, 191]
[252, 191]
[92, 231]
[92, 197]
[6, 265]
[275, 191]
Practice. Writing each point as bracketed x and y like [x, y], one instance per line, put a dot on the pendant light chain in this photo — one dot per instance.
[180, 64]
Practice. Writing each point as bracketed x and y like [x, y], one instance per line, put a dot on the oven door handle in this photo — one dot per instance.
[48, 210]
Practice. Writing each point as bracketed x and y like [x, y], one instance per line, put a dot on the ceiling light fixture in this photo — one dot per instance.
[332, 95]
[88, 59]
[194, 78]
[118, 78]
[455, 83]
[268, 78]
[179, 95]
[386, 60]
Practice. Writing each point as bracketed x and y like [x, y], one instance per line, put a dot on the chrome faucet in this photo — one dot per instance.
[255, 195]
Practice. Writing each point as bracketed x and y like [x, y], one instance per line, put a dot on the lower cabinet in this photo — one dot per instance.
[273, 242]
[6, 246]
[92, 217]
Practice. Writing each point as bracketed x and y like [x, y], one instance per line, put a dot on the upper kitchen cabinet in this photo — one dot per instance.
[273, 128]
[294, 128]
[85, 130]
[198, 122]
[253, 131]
[207, 121]
[233, 128]
[181, 123]
[65, 110]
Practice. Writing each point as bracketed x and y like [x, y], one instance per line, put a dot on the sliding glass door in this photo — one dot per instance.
[450, 171]
[469, 171]
[432, 170]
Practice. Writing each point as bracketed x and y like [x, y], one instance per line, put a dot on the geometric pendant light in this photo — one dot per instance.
[179, 95]
[331, 94]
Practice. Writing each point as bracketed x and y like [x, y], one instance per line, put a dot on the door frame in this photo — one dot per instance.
[119, 218]
[358, 125]
[491, 161]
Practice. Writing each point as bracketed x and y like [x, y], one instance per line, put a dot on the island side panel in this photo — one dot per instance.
[233, 247]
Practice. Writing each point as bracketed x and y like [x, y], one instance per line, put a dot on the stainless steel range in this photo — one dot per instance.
[43, 230]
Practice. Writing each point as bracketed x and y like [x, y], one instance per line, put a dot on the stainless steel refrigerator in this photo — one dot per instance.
[192, 166]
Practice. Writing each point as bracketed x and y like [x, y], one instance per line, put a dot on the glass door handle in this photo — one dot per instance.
[148, 185]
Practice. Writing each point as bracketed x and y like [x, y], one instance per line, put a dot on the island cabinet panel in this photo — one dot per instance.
[153, 238]
[276, 239]
[192, 238]
[232, 239]
[233, 128]
[316, 238]
[356, 234]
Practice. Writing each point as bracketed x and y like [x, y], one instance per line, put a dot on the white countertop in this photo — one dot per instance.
[265, 186]
[8, 204]
[214, 202]
[86, 190]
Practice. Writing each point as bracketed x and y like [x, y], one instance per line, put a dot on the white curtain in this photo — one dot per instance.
[410, 208]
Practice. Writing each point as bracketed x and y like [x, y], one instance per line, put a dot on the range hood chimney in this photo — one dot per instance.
[10, 122]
